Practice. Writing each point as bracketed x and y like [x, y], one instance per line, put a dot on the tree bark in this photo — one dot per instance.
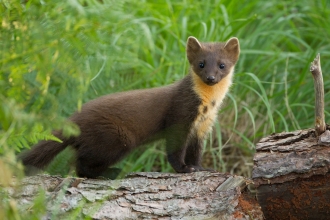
[201, 195]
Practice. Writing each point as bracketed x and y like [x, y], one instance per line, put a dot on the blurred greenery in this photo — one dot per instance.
[57, 55]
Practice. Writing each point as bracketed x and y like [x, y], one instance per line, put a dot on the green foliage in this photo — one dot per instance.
[57, 55]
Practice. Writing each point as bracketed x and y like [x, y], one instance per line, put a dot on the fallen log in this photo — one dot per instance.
[292, 169]
[201, 195]
[291, 176]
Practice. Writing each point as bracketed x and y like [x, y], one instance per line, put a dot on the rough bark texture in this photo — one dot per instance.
[201, 195]
[290, 155]
[291, 174]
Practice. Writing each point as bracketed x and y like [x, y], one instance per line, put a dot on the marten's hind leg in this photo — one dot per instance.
[95, 155]
[92, 163]
[101, 145]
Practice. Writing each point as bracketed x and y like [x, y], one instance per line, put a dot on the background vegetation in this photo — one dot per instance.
[56, 55]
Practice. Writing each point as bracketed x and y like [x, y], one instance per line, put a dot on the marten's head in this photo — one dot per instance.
[212, 61]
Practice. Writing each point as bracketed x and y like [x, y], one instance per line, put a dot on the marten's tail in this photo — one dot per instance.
[43, 153]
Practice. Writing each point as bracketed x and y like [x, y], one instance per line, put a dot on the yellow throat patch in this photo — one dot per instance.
[212, 97]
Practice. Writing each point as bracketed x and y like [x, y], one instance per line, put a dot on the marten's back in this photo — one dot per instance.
[139, 112]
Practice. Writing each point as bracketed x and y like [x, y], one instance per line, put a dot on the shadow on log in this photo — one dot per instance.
[201, 195]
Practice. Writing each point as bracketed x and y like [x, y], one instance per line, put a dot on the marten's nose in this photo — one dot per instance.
[210, 78]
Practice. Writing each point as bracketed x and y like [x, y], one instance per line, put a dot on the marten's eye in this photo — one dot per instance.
[222, 66]
[201, 65]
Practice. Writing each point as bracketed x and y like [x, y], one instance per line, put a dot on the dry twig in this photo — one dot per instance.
[319, 95]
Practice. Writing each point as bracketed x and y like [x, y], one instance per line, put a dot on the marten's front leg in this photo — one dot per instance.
[175, 147]
[194, 153]
[184, 158]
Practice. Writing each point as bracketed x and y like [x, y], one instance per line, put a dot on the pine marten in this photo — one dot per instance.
[183, 113]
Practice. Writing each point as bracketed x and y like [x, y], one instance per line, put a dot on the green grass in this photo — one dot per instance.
[55, 56]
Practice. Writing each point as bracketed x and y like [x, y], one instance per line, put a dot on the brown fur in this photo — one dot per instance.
[182, 113]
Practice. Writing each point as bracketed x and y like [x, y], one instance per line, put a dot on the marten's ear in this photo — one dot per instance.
[193, 47]
[232, 47]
